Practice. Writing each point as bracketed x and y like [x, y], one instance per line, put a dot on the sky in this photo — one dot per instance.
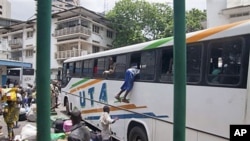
[25, 9]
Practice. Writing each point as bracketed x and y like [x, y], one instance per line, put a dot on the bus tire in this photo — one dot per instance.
[67, 107]
[137, 134]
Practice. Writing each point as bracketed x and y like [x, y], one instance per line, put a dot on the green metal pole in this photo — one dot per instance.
[43, 70]
[179, 71]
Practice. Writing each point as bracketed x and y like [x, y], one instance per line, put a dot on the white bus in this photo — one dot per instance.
[217, 90]
[21, 76]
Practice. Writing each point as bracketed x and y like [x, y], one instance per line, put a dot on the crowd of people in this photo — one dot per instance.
[16, 99]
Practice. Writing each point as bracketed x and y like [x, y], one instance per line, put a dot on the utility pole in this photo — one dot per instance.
[105, 6]
[179, 71]
[43, 69]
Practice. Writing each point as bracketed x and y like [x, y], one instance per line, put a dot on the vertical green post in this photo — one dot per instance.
[43, 69]
[179, 71]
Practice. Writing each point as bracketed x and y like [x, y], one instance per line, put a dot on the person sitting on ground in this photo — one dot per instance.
[128, 83]
[78, 131]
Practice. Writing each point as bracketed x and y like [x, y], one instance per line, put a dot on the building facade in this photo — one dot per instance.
[74, 32]
[5, 9]
[61, 5]
[221, 12]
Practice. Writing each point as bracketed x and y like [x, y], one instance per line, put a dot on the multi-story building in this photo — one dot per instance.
[61, 5]
[75, 32]
[4, 22]
[5, 10]
[221, 12]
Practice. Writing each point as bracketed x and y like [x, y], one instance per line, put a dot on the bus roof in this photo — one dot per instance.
[228, 30]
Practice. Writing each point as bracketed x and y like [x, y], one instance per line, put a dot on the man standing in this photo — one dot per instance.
[106, 120]
[29, 93]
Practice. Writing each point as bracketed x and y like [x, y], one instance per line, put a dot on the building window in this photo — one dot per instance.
[96, 49]
[1, 7]
[29, 53]
[29, 34]
[95, 28]
[69, 5]
[0, 12]
[109, 34]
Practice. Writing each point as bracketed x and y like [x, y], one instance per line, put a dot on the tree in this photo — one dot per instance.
[194, 17]
[137, 21]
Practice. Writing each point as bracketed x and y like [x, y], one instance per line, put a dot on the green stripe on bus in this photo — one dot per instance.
[79, 82]
[158, 43]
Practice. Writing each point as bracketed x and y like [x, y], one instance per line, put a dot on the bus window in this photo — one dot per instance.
[71, 68]
[147, 70]
[225, 62]
[110, 64]
[64, 75]
[95, 67]
[78, 69]
[28, 71]
[88, 66]
[194, 63]
[99, 67]
[167, 65]
[120, 67]
[135, 58]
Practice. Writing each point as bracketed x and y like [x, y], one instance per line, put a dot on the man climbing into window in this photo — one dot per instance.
[128, 83]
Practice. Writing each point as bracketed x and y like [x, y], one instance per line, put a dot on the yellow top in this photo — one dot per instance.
[9, 94]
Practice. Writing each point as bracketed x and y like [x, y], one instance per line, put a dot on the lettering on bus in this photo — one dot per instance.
[82, 99]
[26, 79]
[91, 91]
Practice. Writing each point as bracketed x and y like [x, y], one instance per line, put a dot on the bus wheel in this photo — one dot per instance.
[67, 107]
[137, 134]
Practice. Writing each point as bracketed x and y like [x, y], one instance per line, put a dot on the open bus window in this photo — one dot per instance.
[147, 70]
[167, 65]
[135, 58]
[194, 63]
[225, 62]
[119, 68]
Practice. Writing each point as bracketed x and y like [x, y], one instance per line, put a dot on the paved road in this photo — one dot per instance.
[17, 131]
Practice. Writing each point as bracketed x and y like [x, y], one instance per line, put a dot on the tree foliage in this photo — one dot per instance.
[137, 21]
[194, 17]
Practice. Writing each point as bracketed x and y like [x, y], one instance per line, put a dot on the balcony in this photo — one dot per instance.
[60, 55]
[73, 30]
[15, 43]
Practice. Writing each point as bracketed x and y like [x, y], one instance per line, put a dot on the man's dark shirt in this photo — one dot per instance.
[79, 133]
